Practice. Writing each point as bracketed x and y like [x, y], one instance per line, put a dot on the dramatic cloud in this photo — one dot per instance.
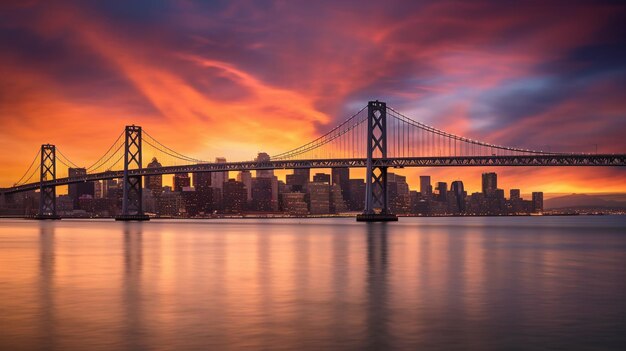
[232, 78]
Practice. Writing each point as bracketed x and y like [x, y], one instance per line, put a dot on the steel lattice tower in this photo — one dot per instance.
[47, 194]
[376, 176]
[132, 202]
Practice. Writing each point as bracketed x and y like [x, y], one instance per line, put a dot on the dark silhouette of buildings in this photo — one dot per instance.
[324, 194]
[75, 191]
[181, 180]
[235, 196]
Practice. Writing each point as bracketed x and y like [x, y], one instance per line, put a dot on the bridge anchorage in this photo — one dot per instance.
[132, 201]
[376, 199]
[47, 193]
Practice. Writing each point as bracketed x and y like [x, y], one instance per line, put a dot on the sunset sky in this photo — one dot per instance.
[233, 78]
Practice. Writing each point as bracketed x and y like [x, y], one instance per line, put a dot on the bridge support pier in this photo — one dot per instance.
[132, 201]
[376, 201]
[47, 194]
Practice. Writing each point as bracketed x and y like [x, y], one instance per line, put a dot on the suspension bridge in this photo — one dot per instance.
[375, 138]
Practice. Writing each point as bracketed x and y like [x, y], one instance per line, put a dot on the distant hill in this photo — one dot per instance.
[600, 201]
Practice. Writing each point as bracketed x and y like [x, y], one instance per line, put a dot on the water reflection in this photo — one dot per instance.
[132, 286]
[378, 313]
[327, 284]
[46, 289]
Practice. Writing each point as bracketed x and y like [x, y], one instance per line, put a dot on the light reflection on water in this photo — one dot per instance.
[435, 283]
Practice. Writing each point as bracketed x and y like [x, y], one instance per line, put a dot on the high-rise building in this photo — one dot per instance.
[299, 179]
[337, 204]
[218, 178]
[235, 196]
[515, 194]
[398, 193]
[246, 178]
[75, 191]
[190, 201]
[264, 173]
[268, 173]
[319, 198]
[425, 188]
[262, 194]
[341, 176]
[442, 189]
[294, 204]
[490, 184]
[154, 182]
[209, 200]
[201, 180]
[170, 203]
[459, 193]
[537, 202]
[357, 195]
[181, 180]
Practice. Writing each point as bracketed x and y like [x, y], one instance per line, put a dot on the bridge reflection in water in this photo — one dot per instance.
[313, 284]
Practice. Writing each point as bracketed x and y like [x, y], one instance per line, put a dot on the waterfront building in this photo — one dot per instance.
[262, 194]
[337, 204]
[235, 196]
[537, 202]
[319, 198]
[294, 203]
[357, 195]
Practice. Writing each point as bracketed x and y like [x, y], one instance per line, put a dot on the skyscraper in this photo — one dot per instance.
[181, 180]
[341, 177]
[357, 195]
[201, 180]
[490, 183]
[442, 189]
[263, 173]
[269, 174]
[218, 178]
[459, 193]
[154, 182]
[262, 194]
[246, 178]
[538, 202]
[75, 191]
[235, 196]
[515, 194]
[425, 188]
[319, 197]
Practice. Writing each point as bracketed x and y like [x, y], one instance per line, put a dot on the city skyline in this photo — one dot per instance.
[304, 192]
[549, 86]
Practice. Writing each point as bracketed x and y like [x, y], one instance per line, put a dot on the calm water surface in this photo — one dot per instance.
[315, 284]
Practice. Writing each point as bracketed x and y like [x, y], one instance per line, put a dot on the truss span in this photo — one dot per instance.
[459, 161]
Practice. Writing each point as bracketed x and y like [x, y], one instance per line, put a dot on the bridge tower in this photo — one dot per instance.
[47, 194]
[376, 201]
[132, 204]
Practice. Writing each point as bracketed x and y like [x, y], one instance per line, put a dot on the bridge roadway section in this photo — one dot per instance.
[459, 161]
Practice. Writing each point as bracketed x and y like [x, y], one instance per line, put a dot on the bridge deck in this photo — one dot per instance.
[578, 160]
